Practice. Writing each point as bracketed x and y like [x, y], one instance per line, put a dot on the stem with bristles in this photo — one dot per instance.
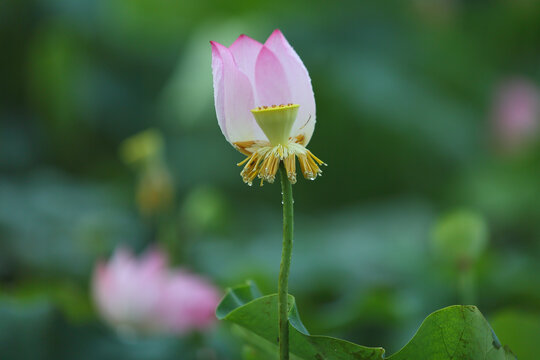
[283, 308]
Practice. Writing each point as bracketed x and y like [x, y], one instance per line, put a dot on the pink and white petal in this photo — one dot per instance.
[104, 291]
[271, 85]
[234, 98]
[245, 51]
[189, 302]
[219, 90]
[299, 84]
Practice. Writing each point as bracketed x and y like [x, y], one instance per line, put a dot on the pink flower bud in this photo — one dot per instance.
[516, 113]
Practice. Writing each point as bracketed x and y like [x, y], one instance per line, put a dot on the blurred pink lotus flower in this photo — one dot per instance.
[144, 296]
[516, 113]
[265, 106]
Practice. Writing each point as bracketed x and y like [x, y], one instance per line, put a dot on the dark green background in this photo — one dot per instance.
[404, 93]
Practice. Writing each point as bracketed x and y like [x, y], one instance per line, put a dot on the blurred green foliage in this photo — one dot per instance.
[404, 95]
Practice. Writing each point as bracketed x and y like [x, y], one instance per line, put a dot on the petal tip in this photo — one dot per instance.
[216, 45]
[218, 49]
[276, 34]
[240, 38]
[243, 38]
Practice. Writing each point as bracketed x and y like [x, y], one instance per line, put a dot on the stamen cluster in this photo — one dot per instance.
[263, 163]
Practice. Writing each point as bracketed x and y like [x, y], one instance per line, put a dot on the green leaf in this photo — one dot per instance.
[259, 316]
[455, 332]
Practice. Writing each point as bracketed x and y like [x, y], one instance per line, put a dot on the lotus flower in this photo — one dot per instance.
[265, 106]
[145, 296]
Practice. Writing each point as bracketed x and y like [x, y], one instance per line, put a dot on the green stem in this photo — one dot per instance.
[466, 286]
[286, 254]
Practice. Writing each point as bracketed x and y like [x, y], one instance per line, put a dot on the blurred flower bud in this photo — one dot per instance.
[142, 295]
[142, 147]
[155, 190]
[516, 113]
[127, 290]
[460, 238]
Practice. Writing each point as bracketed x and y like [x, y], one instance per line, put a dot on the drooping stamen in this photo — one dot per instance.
[309, 164]
[290, 166]
[264, 162]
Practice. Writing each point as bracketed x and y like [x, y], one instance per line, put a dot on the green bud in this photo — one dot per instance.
[460, 237]
[142, 147]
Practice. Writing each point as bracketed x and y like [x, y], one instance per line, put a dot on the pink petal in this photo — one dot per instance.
[217, 72]
[299, 83]
[153, 260]
[245, 51]
[516, 112]
[233, 96]
[271, 83]
[189, 302]
[127, 289]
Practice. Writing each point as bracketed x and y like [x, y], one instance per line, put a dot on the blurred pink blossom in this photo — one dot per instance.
[144, 295]
[189, 303]
[516, 113]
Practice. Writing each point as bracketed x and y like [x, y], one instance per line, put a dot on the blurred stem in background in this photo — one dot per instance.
[154, 193]
[288, 220]
[459, 239]
[466, 285]
[144, 153]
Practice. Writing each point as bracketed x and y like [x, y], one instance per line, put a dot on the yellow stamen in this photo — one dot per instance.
[264, 161]
[319, 161]
[290, 167]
